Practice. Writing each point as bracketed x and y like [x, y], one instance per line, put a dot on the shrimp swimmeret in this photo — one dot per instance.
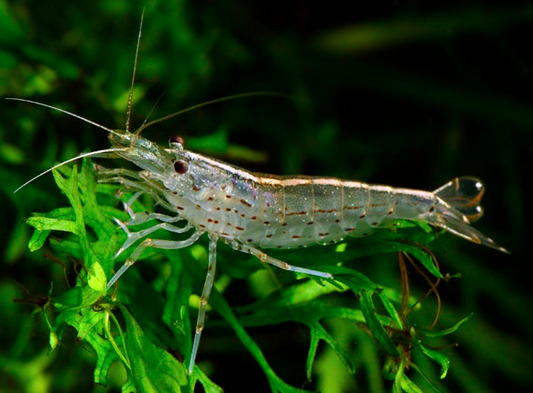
[252, 212]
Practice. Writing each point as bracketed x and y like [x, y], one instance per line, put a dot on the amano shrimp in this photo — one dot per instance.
[251, 212]
[254, 212]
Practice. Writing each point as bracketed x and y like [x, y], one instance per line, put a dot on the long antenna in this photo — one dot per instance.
[130, 97]
[64, 111]
[151, 111]
[104, 152]
[243, 95]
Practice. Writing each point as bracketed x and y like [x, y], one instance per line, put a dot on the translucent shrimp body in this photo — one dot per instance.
[269, 211]
[252, 211]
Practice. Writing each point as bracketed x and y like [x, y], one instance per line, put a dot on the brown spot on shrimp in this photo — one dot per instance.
[239, 228]
[245, 203]
[297, 213]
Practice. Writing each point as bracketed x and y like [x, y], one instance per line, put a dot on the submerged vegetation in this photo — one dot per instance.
[411, 310]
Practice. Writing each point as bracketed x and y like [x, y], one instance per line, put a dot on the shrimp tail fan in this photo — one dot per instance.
[458, 204]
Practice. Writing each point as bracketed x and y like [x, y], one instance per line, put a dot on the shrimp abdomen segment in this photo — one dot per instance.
[301, 211]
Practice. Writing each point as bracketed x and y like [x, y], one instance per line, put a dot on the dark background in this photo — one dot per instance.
[404, 93]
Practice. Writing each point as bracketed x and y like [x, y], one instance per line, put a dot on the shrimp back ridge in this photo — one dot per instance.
[270, 211]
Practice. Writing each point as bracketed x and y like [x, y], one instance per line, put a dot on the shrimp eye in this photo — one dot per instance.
[181, 167]
[176, 140]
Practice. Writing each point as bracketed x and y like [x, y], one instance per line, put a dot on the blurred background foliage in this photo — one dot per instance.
[406, 93]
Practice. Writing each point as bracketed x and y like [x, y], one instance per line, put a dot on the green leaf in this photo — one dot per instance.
[439, 357]
[153, 369]
[129, 387]
[37, 240]
[428, 381]
[409, 386]
[319, 333]
[176, 313]
[52, 224]
[423, 257]
[445, 332]
[367, 306]
[105, 357]
[71, 299]
[390, 308]
[442, 359]
[96, 278]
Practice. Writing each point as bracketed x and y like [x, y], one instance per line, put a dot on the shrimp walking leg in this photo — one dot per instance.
[275, 262]
[134, 236]
[130, 184]
[137, 184]
[155, 243]
[117, 172]
[142, 217]
[208, 285]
